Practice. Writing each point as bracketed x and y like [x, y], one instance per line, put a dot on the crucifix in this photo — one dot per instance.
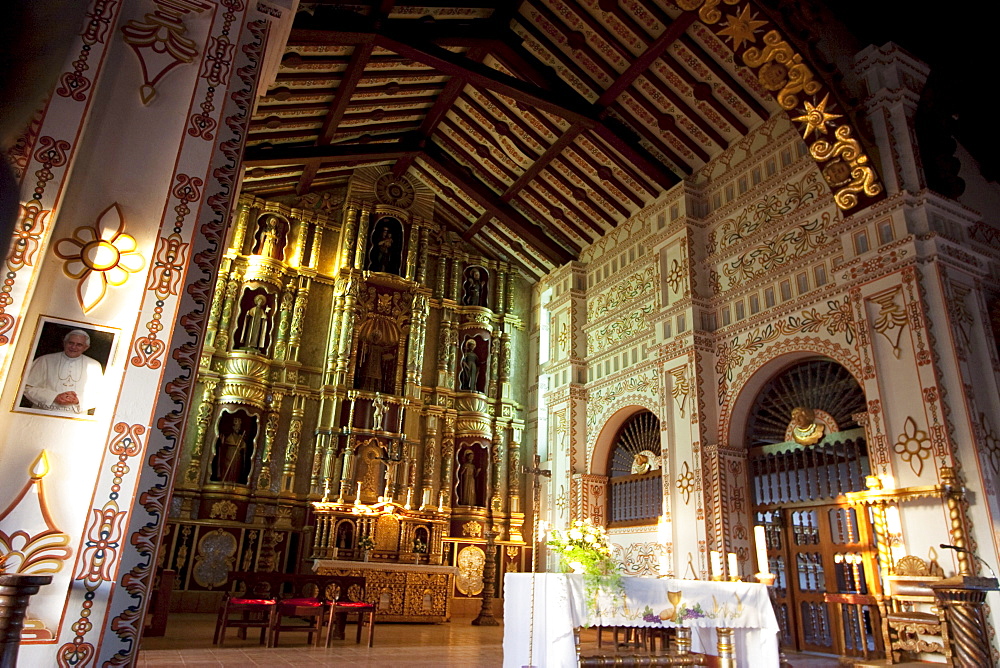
[536, 490]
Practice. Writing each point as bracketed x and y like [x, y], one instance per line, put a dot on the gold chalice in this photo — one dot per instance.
[670, 613]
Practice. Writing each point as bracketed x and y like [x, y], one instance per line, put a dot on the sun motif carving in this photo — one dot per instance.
[742, 28]
[99, 255]
[816, 117]
[396, 191]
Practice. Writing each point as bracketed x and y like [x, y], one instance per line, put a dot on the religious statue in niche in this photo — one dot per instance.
[233, 460]
[806, 430]
[467, 475]
[345, 536]
[468, 373]
[270, 237]
[255, 326]
[385, 246]
[376, 363]
[474, 287]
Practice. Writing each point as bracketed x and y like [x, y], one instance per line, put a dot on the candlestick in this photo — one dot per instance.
[715, 564]
[734, 566]
[760, 539]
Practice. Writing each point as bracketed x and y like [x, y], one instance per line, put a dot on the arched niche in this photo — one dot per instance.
[385, 245]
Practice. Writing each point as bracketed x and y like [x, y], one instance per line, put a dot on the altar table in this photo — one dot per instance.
[401, 592]
[543, 611]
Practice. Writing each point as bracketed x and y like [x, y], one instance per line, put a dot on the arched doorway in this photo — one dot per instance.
[806, 450]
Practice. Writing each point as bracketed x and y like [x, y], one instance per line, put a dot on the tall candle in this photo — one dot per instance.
[715, 562]
[734, 566]
[760, 539]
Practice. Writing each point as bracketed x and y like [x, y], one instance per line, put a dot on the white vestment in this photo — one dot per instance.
[51, 375]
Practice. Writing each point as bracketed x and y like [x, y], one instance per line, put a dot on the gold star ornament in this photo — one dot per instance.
[816, 117]
[742, 28]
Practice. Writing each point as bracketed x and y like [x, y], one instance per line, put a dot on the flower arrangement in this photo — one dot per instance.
[366, 544]
[585, 548]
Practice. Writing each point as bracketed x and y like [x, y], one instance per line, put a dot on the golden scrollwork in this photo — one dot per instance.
[223, 510]
[707, 12]
[472, 530]
[848, 170]
[781, 70]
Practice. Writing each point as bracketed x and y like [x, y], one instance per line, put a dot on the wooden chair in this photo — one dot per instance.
[250, 603]
[301, 607]
[911, 623]
[347, 597]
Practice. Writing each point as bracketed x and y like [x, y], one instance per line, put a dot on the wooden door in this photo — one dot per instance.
[824, 559]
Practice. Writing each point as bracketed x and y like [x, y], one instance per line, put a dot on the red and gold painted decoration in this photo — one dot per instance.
[99, 255]
[783, 72]
[159, 42]
[102, 542]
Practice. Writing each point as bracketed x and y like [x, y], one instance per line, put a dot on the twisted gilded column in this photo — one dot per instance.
[205, 409]
[962, 598]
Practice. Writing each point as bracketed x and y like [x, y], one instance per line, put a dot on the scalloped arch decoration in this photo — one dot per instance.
[599, 441]
[745, 385]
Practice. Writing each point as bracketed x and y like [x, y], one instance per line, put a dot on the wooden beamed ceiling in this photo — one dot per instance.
[540, 125]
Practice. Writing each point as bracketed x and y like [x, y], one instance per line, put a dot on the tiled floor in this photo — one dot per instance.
[458, 644]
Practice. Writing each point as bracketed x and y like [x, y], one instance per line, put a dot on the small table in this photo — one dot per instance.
[543, 611]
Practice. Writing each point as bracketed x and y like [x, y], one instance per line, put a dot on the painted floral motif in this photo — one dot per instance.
[635, 286]
[913, 446]
[732, 354]
[780, 251]
[99, 255]
[789, 198]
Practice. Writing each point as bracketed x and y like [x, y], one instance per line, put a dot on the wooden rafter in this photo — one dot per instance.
[497, 207]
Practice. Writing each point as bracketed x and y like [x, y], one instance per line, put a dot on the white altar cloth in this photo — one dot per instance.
[557, 605]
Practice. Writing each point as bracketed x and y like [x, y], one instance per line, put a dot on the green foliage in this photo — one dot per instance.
[585, 548]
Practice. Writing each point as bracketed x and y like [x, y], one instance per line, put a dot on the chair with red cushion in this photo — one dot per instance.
[301, 609]
[347, 597]
[250, 603]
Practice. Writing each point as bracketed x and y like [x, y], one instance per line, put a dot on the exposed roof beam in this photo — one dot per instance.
[433, 118]
[332, 154]
[643, 62]
[500, 209]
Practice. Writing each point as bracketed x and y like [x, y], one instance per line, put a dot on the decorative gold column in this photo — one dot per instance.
[362, 242]
[221, 342]
[205, 410]
[440, 279]
[348, 241]
[265, 477]
[298, 317]
[423, 258]
[292, 447]
[431, 448]
[284, 321]
[447, 462]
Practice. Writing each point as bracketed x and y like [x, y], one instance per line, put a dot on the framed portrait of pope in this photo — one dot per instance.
[64, 375]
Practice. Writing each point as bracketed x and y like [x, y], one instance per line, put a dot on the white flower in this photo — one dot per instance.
[575, 534]
[589, 538]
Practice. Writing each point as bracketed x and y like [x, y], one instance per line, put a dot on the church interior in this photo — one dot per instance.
[362, 289]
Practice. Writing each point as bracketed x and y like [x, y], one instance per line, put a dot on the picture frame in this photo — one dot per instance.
[59, 381]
